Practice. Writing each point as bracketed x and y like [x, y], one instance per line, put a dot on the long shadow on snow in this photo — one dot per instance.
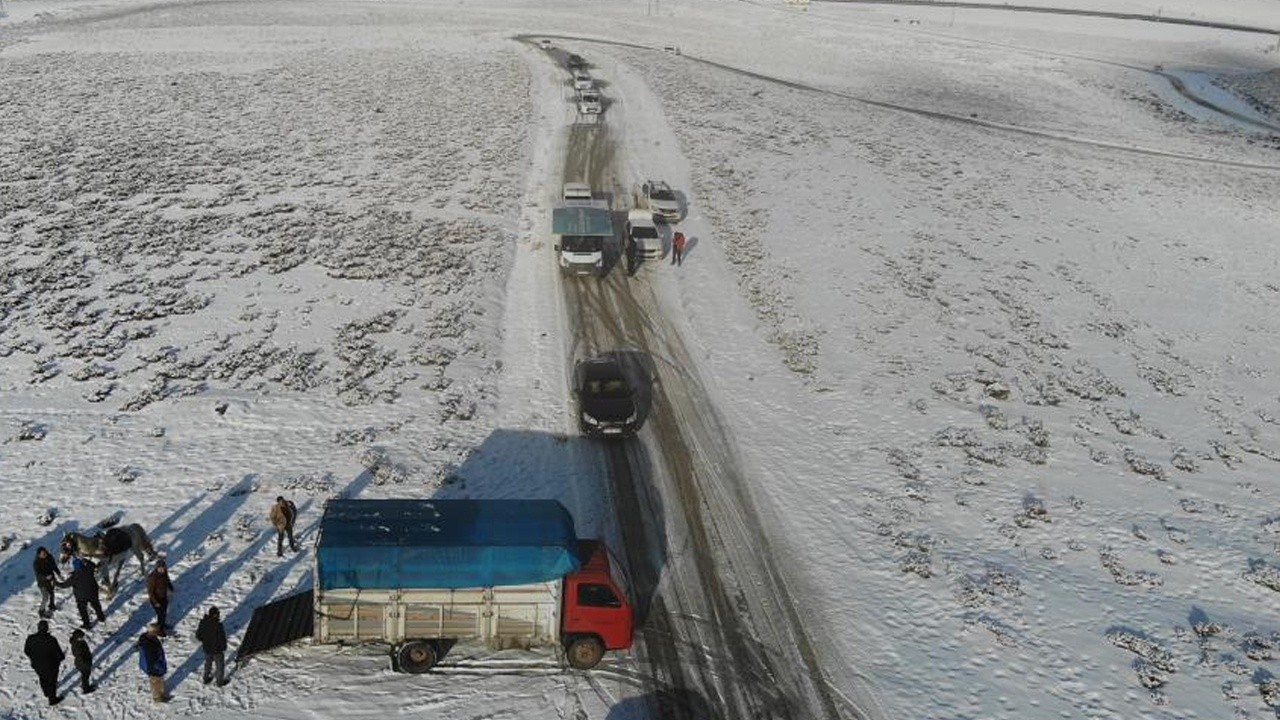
[16, 571]
[269, 584]
[189, 539]
[526, 464]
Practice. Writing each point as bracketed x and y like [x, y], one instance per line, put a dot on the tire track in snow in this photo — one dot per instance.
[713, 648]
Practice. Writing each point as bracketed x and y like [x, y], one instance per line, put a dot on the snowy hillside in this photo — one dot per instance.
[984, 299]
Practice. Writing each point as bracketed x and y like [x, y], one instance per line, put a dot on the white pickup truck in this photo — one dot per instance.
[643, 241]
[657, 197]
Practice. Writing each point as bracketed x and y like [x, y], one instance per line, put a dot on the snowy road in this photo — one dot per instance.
[718, 633]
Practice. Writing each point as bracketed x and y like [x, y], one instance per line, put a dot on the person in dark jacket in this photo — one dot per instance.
[46, 656]
[47, 573]
[84, 586]
[84, 660]
[152, 663]
[213, 639]
[158, 588]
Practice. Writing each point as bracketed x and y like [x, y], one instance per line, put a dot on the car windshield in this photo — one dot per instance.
[608, 388]
[644, 231]
[660, 193]
[581, 243]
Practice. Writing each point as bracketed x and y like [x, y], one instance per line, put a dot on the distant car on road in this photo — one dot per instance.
[657, 196]
[606, 399]
[545, 44]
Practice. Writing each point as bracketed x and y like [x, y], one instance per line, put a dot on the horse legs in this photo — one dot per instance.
[142, 564]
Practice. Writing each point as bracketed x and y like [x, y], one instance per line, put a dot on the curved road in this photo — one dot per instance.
[970, 120]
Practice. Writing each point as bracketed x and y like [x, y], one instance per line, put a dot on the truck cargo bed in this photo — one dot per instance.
[502, 617]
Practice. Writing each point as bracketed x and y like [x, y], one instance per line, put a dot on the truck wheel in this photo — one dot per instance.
[417, 656]
[585, 653]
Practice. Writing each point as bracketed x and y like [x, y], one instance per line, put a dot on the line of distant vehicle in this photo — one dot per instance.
[1144, 17]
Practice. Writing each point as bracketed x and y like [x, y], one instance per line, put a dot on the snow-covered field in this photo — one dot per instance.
[990, 310]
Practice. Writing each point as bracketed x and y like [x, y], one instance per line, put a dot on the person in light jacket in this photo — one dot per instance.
[152, 663]
[282, 516]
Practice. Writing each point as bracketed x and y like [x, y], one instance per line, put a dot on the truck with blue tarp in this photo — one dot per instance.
[420, 575]
[584, 225]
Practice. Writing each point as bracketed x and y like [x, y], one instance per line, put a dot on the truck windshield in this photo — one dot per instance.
[581, 243]
[643, 232]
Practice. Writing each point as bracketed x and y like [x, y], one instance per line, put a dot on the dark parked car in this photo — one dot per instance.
[606, 398]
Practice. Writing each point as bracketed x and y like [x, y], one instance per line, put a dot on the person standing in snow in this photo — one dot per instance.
[46, 655]
[158, 588]
[152, 663]
[84, 587]
[47, 573]
[282, 515]
[213, 640]
[677, 249]
[84, 660]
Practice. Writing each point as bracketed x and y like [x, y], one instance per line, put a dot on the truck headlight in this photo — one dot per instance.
[590, 420]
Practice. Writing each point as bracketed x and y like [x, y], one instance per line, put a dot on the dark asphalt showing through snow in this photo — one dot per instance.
[718, 634]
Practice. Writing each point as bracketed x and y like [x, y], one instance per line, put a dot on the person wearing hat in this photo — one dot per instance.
[84, 660]
[84, 587]
[46, 656]
[158, 588]
[152, 663]
[213, 640]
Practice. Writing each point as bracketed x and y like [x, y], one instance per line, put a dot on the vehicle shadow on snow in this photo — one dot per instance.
[268, 585]
[667, 703]
[526, 464]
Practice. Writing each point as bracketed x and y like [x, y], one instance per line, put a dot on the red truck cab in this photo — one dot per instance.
[596, 612]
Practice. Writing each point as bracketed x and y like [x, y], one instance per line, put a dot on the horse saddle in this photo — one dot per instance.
[115, 541]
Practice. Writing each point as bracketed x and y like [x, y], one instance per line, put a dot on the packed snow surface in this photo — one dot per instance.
[989, 308]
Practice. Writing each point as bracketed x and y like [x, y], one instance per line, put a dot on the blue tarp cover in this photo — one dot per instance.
[390, 544]
[582, 221]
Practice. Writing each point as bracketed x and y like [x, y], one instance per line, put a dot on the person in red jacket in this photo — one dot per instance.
[677, 249]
